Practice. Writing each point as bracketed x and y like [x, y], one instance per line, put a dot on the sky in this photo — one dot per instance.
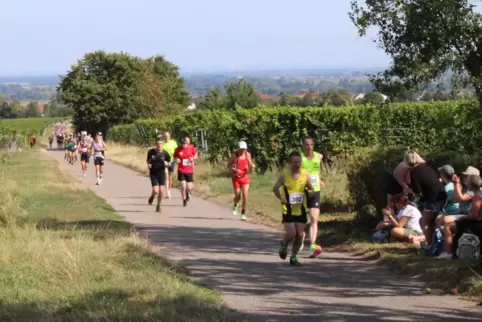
[48, 36]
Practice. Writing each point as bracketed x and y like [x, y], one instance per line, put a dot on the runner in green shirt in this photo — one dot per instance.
[311, 161]
[169, 146]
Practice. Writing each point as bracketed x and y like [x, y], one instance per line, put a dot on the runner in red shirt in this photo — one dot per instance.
[241, 164]
[185, 156]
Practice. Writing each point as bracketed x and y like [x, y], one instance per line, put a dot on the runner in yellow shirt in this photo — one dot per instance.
[169, 146]
[294, 180]
[311, 162]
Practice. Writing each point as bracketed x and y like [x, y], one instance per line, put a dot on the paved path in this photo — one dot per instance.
[240, 259]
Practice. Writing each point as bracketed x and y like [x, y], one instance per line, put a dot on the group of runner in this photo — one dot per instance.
[161, 162]
[298, 187]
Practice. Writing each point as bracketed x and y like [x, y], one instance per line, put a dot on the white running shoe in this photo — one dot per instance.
[444, 255]
[168, 194]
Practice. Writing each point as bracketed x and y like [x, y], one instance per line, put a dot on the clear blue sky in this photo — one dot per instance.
[47, 36]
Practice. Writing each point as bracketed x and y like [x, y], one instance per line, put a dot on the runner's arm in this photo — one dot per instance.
[278, 185]
[308, 182]
[322, 183]
[231, 161]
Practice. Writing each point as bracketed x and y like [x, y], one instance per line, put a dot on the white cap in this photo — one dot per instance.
[242, 145]
[471, 171]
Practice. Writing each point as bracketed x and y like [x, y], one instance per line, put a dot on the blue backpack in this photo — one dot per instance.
[382, 236]
[437, 246]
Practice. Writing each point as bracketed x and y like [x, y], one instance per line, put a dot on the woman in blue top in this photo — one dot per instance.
[451, 206]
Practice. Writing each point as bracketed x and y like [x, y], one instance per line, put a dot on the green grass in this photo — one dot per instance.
[66, 256]
[36, 124]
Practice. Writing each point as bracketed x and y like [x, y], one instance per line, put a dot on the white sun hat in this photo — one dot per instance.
[242, 145]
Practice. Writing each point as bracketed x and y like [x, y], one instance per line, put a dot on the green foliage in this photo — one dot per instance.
[238, 94]
[273, 132]
[425, 39]
[33, 110]
[27, 126]
[106, 89]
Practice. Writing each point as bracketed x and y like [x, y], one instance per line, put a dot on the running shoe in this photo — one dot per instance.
[235, 210]
[168, 194]
[244, 217]
[188, 196]
[184, 203]
[283, 250]
[158, 209]
[444, 255]
[151, 200]
[294, 261]
[315, 251]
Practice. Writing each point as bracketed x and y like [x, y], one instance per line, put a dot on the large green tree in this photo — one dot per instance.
[106, 89]
[101, 88]
[425, 39]
[33, 110]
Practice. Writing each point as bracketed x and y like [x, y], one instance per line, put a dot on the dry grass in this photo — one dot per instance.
[338, 228]
[66, 256]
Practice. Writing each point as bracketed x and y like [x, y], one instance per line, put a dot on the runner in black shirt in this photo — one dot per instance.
[157, 162]
[426, 183]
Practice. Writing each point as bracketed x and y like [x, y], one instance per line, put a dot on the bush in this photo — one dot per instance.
[370, 169]
[272, 133]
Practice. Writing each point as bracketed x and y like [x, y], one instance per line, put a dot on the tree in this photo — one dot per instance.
[336, 97]
[241, 94]
[174, 89]
[102, 90]
[214, 100]
[372, 98]
[33, 110]
[425, 39]
[16, 110]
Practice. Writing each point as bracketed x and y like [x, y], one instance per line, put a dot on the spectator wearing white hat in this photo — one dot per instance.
[241, 164]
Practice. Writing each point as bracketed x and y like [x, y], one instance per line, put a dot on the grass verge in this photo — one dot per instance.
[339, 229]
[66, 256]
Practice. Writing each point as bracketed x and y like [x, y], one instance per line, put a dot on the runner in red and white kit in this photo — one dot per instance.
[241, 164]
[185, 156]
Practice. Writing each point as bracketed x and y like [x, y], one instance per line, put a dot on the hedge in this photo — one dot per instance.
[272, 132]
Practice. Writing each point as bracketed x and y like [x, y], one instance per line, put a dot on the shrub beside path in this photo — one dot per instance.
[240, 259]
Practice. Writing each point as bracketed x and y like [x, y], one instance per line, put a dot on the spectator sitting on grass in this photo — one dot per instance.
[399, 181]
[473, 216]
[451, 207]
[406, 225]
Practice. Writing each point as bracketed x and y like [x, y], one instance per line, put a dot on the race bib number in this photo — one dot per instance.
[186, 162]
[84, 149]
[314, 180]
[296, 198]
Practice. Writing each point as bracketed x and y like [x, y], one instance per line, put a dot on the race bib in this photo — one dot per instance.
[186, 162]
[314, 179]
[75, 146]
[98, 154]
[296, 198]
[84, 149]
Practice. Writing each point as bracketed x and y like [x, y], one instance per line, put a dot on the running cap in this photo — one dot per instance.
[99, 133]
[242, 145]
[471, 171]
[446, 170]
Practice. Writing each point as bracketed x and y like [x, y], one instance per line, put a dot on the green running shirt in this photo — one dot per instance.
[313, 166]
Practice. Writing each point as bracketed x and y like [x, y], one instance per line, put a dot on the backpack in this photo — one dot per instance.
[468, 247]
[382, 236]
[437, 246]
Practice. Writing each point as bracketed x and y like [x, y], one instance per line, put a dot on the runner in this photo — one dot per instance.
[240, 164]
[32, 140]
[99, 147]
[295, 182]
[311, 162]
[169, 146]
[51, 140]
[185, 155]
[158, 160]
[85, 146]
[67, 142]
[60, 141]
[73, 149]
